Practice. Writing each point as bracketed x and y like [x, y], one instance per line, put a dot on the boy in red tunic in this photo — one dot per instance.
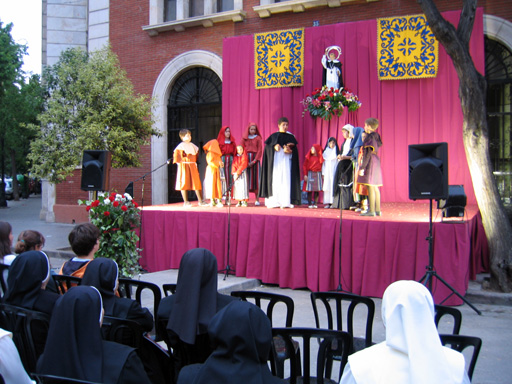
[313, 174]
[253, 146]
[187, 177]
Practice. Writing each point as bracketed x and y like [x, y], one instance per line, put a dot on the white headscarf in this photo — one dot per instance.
[412, 352]
[349, 128]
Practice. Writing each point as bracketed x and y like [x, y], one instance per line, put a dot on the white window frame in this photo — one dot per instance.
[210, 17]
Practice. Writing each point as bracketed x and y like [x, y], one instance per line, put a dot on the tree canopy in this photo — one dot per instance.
[89, 104]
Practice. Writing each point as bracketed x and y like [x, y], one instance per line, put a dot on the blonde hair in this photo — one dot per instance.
[373, 123]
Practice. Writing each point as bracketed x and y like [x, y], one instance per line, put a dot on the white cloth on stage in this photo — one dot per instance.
[281, 181]
[328, 172]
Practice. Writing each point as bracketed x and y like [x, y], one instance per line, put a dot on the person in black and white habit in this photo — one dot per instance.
[332, 75]
[280, 170]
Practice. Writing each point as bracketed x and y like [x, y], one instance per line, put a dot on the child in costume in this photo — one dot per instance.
[253, 146]
[187, 177]
[370, 172]
[227, 147]
[313, 174]
[212, 182]
[330, 155]
[239, 170]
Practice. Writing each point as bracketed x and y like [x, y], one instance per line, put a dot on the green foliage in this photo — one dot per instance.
[20, 102]
[90, 104]
[117, 216]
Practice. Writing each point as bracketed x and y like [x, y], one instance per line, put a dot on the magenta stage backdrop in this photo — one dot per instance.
[410, 111]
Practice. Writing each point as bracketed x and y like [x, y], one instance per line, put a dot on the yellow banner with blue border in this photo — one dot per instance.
[279, 59]
[407, 48]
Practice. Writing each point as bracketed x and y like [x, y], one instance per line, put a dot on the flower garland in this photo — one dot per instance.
[116, 216]
[328, 102]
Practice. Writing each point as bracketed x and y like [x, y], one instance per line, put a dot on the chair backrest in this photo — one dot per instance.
[169, 289]
[272, 299]
[330, 344]
[453, 313]
[460, 343]
[125, 290]
[29, 329]
[65, 282]
[50, 379]
[345, 322]
[157, 362]
[123, 331]
[4, 271]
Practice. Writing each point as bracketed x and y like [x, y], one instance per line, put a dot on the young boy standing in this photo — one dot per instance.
[370, 173]
[187, 177]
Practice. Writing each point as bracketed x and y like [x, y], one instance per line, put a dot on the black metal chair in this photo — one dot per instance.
[449, 312]
[126, 286]
[272, 300]
[169, 289]
[65, 282]
[156, 361]
[123, 331]
[51, 379]
[460, 343]
[354, 301]
[330, 343]
[29, 329]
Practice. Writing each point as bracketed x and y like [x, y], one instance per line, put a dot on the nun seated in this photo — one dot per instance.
[103, 273]
[28, 276]
[183, 318]
[76, 350]
[241, 335]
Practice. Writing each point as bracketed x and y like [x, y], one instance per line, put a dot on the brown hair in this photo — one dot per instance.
[373, 123]
[28, 240]
[282, 120]
[83, 238]
[5, 243]
[184, 132]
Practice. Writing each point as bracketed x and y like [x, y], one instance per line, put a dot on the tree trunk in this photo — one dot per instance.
[472, 93]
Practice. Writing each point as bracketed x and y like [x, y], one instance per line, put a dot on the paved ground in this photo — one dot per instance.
[494, 326]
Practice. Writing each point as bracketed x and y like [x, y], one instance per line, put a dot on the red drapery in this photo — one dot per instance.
[410, 111]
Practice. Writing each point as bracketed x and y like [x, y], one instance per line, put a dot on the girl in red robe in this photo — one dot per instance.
[240, 177]
[228, 149]
[312, 168]
[253, 146]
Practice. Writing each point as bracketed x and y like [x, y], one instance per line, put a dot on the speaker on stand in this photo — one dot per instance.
[428, 179]
[96, 171]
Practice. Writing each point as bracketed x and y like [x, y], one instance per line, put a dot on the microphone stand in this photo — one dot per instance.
[130, 188]
[228, 270]
[340, 288]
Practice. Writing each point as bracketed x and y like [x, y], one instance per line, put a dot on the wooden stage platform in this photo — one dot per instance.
[299, 248]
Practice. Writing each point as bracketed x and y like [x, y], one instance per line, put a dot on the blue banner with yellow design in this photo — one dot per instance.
[279, 59]
[407, 48]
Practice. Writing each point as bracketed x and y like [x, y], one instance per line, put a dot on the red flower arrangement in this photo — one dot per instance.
[328, 102]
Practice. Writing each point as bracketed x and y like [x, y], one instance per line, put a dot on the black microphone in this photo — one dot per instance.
[169, 161]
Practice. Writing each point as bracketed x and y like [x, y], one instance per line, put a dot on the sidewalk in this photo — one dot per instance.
[494, 327]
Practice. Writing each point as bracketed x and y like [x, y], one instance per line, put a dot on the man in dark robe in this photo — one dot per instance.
[280, 171]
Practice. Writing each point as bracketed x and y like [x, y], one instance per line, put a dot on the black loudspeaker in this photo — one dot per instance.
[428, 171]
[95, 171]
[455, 205]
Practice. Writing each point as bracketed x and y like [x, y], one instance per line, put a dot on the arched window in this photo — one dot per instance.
[195, 103]
[498, 72]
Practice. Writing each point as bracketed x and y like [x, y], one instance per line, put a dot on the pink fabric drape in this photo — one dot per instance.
[410, 111]
[297, 248]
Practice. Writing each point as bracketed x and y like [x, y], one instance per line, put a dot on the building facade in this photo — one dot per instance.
[172, 51]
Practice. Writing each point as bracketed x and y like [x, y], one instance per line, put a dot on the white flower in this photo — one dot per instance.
[119, 197]
[128, 197]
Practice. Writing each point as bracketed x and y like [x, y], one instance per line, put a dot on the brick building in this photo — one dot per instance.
[172, 48]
